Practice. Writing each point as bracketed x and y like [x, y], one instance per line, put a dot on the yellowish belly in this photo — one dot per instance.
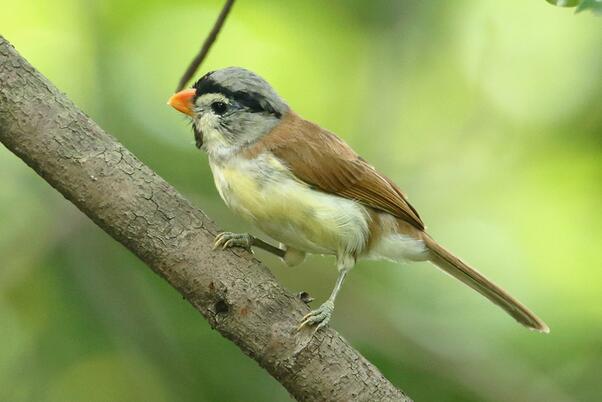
[265, 192]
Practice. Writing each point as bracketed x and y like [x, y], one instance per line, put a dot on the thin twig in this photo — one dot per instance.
[196, 62]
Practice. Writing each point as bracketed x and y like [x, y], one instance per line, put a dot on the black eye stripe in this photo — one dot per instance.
[252, 101]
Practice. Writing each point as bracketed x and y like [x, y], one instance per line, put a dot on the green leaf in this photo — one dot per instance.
[564, 3]
[593, 5]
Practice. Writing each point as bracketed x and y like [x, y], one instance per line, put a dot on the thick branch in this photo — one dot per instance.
[235, 292]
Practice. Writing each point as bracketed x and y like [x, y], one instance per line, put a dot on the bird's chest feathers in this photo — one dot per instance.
[253, 187]
[264, 191]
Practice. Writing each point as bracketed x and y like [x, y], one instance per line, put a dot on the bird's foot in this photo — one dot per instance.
[228, 239]
[320, 316]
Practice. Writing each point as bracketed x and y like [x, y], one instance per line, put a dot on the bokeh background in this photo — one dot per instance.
[487, 113]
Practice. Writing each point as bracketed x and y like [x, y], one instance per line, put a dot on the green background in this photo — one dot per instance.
[486, 112]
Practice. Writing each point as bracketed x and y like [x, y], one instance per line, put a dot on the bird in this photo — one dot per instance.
[304, 187]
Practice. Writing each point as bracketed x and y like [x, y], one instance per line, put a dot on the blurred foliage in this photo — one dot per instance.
[565, 3]
[593, 5]
[487, 113]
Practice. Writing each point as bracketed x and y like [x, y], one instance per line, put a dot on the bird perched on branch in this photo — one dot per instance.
[306, 188]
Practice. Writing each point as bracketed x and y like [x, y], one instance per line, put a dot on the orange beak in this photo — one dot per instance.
[182, 101]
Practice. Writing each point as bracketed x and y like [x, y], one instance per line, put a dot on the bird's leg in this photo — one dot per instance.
[322, 314]
[246, 241]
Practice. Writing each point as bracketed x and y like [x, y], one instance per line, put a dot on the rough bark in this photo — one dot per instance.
[236, 293]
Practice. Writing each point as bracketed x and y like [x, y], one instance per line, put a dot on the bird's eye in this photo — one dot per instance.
[219, 108]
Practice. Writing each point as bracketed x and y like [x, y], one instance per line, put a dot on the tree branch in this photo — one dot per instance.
[231, 289]
[198, 59]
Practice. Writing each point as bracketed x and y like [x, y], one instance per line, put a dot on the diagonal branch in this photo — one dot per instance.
[198, 59]
[232, 290]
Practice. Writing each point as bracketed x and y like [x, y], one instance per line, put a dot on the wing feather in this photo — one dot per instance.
[324, 161]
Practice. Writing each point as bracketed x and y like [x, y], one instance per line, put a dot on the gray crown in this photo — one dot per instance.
[242, 84]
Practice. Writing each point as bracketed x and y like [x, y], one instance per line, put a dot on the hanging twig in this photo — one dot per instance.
[196, 62]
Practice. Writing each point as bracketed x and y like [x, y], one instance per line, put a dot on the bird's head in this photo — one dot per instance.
[230, 108]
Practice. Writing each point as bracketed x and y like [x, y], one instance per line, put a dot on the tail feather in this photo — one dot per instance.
[451, 264]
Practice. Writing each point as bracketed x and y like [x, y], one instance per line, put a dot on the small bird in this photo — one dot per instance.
[306, 188]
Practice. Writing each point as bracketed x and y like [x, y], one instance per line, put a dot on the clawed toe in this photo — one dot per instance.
[320, 316]
[228, 239]
[219, 240]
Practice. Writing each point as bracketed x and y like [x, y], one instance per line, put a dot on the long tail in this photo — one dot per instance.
[451, 264]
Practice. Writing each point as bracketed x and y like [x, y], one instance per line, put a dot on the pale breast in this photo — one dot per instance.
[264, 191]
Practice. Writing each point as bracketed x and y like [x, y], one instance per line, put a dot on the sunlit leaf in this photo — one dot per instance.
[593, 5]
[564, 3]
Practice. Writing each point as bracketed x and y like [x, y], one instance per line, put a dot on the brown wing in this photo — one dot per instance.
[324, 161]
